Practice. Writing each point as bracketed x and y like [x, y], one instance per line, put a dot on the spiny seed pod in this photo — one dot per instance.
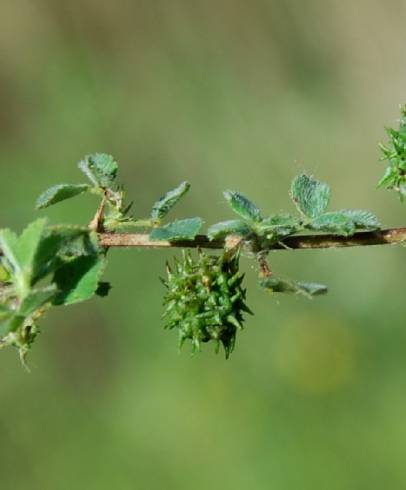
[205, 300]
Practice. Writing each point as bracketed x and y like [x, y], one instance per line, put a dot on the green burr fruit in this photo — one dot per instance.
[205, 300]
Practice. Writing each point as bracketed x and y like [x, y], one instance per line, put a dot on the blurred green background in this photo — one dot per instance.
[225, 94]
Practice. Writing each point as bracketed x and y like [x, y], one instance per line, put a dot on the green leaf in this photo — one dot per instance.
[61, 243]
[20, 252]
[185, 229]
[162, 207]
[311, 288]
[363, 220]
[310, 196]
[389, 179]
[59, 193]
[335, 222]
[9, 247]
[9, 322]
[29, 242]
[78, 279]
[308, 289]
[36, 299]
[280, 225]
[231, 227]
[4, 273]
[402, 190]
[100, 169]
[5, 312]
[243, 206]
[345, 222]
[48, 254]
[78, 241]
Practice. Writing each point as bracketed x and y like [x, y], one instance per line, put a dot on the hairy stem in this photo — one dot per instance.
[394, 236]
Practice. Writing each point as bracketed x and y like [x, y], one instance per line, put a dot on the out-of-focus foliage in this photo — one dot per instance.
[395, 155]
[240, 95]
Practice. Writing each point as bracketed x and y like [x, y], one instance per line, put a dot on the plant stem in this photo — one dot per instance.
[264, 269]
[393, 236]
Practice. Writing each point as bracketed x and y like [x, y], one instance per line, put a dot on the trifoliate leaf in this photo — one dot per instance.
[280, 225]
[101, 169]
[185, 229]
[78, 279]
[243, 206]
[59, 193]
[162, 207]
[277, 285]
[231, 227]
[310, 196]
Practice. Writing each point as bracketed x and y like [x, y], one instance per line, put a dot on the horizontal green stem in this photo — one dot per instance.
[394, 236]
